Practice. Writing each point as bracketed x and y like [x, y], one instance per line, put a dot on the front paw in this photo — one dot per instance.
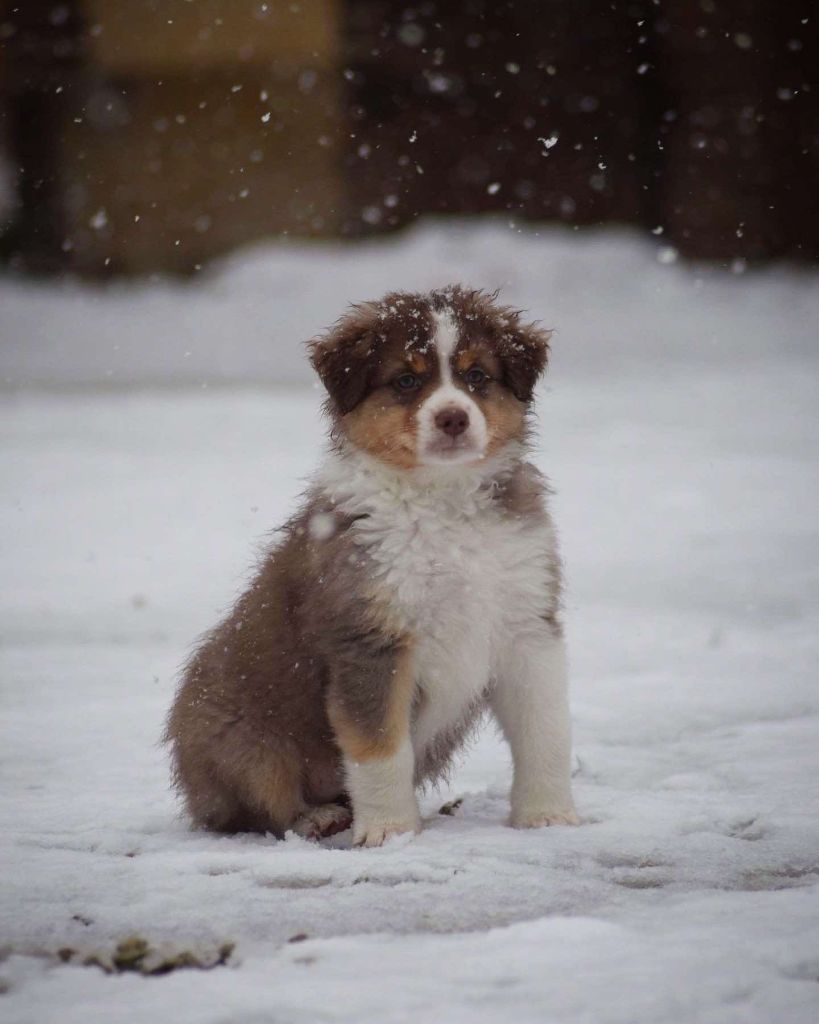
[541, 818]
[376, 833]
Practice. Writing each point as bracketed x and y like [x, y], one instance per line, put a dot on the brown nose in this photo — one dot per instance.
[452, 421]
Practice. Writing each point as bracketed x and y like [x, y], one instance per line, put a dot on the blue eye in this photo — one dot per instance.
[475, 377]
[406, 382]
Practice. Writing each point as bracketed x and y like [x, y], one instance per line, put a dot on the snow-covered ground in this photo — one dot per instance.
[679, 426]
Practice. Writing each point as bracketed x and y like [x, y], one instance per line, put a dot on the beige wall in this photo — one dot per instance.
[205, 125]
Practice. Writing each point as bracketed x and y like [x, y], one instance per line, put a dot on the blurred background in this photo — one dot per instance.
[142, 136]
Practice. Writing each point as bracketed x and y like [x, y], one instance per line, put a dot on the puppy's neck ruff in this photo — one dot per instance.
[354, 481]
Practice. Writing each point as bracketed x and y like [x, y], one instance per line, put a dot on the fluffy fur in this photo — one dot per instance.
[418, 586]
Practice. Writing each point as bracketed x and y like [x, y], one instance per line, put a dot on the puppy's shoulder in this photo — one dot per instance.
[523, 493]
[317, 554]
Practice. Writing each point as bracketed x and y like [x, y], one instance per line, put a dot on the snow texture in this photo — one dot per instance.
[679, 428]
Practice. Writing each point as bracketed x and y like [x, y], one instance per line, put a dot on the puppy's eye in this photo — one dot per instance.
[406, 382]
[475, 377]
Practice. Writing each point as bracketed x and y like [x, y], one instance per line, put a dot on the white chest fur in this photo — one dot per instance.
[463, 577]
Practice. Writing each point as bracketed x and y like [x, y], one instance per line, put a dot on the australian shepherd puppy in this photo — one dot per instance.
[417, 586]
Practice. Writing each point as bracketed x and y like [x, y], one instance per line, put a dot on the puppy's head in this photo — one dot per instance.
[431, 379]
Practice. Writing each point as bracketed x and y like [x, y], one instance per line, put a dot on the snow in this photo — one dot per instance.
[246, 320]
[679, 428]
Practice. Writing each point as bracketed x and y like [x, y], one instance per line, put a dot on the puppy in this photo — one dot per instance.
[417, 587]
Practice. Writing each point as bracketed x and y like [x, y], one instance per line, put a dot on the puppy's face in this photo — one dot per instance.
[437, 379]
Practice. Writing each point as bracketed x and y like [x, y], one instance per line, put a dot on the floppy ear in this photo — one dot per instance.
[524, 354]
[342, 357]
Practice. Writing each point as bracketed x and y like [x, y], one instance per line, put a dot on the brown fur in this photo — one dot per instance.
[308, 664]
[522, 496]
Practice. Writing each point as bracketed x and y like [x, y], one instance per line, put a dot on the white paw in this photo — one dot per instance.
[542, 818]
[376, 833]
[324, 820]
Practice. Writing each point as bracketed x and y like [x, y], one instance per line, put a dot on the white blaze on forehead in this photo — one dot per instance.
[446, 341]
[472, 443]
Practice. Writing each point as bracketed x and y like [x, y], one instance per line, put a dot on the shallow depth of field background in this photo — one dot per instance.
[190, 189]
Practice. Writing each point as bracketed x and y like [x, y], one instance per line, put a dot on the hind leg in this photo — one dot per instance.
[322, 821]
[329, 809]
[258, 792]
[271, 789]
[212, 805]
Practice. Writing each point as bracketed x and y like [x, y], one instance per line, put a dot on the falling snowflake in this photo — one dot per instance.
[99, 220]
[548, 143]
